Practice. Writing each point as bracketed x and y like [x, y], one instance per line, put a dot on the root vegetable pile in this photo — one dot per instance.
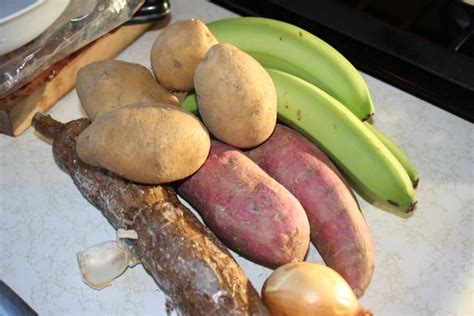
[190, 264]
[266, 203]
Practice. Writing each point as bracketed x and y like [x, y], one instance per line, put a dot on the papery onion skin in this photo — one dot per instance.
[305, 288]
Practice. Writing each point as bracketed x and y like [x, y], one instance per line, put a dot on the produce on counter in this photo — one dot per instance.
[102, 263]
[236, 96]
[177, 51]
[105, 85]
[363, 159]
[338, 228]
[398, 153]
[288, 48]
[304, 288]
[139, 138]
[190, 264]
[248, 210]
[371, 169]
[148, 143]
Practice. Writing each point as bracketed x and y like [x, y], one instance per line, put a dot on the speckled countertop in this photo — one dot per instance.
[425, 264]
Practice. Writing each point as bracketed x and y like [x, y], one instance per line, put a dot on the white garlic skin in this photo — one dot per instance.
[102, 263]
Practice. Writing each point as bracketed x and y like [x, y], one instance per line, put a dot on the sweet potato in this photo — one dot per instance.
[338, 228]
[247, 209]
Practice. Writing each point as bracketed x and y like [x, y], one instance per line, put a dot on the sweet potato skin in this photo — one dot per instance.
[248, 210]
[338, 228]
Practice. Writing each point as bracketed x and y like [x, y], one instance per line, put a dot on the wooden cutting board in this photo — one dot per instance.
[39, 95]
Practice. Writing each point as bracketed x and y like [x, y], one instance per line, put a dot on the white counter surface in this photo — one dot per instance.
[424, 264]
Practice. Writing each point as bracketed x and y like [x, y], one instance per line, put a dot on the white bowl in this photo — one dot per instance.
[23, 20]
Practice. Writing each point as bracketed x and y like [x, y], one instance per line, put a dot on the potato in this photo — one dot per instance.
[149, 143]
[236, 97]
[177, 51]
[248, 210]
[105, 85]
[338, 229]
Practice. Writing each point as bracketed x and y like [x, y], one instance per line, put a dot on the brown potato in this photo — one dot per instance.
[236, 97]
[148, 143]
[105, 85]
[177, 51]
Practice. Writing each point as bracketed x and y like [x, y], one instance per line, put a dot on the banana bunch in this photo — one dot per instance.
[288, 48]
[321, 95]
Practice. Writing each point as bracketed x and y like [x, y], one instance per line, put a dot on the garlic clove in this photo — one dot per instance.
[102, 263]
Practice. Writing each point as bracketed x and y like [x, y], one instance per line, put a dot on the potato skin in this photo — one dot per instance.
[148, 143]
[236, 97]
[338, 228]
[177, 51]
[105, 85]
[248, 210]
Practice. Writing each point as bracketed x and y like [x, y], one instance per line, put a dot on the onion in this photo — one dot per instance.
[304, 288]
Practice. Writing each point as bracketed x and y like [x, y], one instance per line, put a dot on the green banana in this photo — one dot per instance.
[368, 165]
[398, 153]
[285, 47]
[190, 103]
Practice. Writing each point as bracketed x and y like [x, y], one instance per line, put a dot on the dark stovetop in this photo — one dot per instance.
[424, 47]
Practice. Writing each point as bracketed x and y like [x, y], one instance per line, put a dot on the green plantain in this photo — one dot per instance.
[285, 47]
[398, 153]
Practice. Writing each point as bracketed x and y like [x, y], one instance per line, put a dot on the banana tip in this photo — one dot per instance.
[415, 183]
[411, 208]
[404, 212]
[368, 117]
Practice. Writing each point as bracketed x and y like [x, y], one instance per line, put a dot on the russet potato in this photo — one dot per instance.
[236, 97]
[149, 143]
[177, 51]
[105, 85]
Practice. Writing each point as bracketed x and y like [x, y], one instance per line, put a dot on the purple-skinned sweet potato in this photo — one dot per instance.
[248, 210]
[338, 228]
